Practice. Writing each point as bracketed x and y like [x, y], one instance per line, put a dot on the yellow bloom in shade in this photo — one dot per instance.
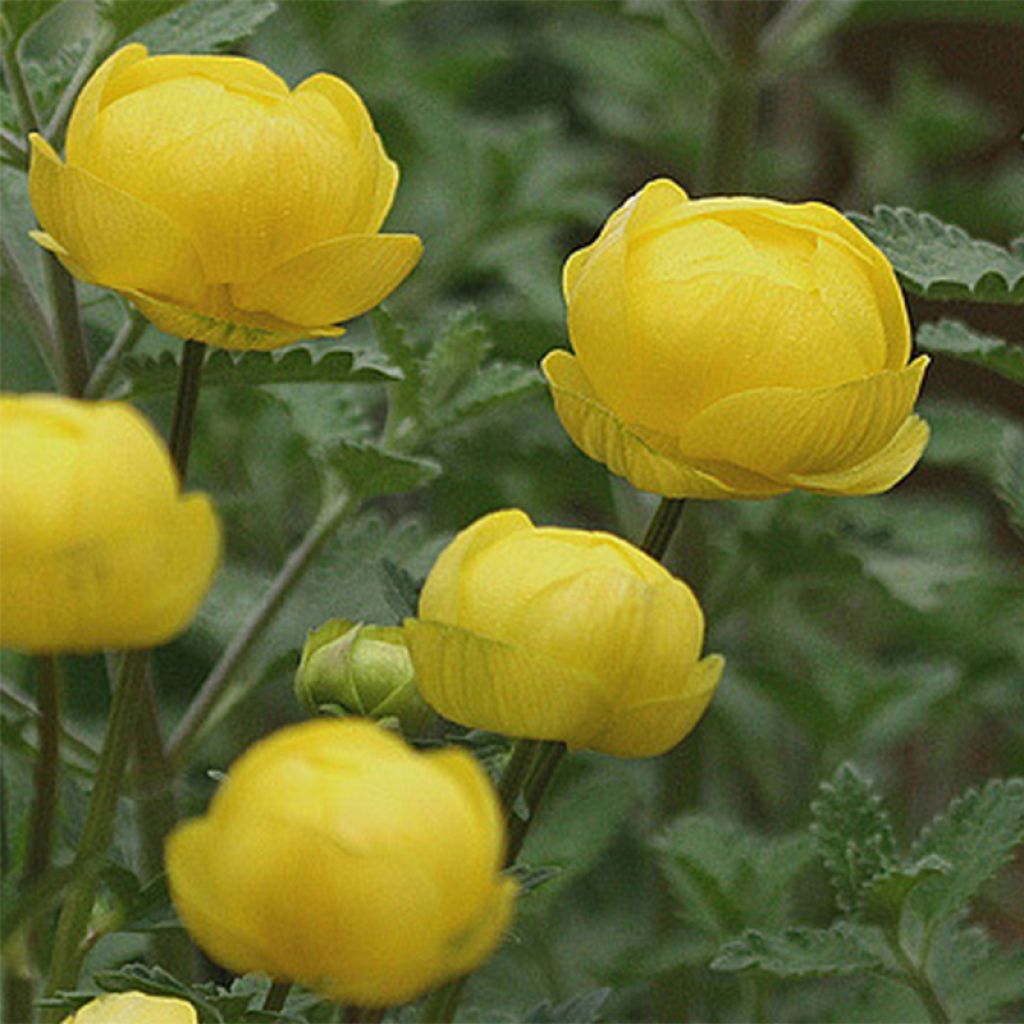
[737, 348]
[134, 1008]
[336, 856]
[559, 634]
[98, 547]
[224, 206]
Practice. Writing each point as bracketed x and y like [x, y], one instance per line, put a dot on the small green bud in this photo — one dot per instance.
[362, 670]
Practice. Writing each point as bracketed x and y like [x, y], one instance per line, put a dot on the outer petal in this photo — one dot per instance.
[879, 472]
[117, 240]
[490, 685]
[224, 325]
[134, 1008]
[439, 599]
[82, 123]
[784, 432]
[651, 727]
[333, 281]
[630, 453]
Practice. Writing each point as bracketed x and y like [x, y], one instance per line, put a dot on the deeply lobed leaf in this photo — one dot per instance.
[801, 952]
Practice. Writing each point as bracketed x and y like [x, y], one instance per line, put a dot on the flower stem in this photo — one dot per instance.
[916, 978]
[124, 341]
[36, 318]
[221, 674]
[662, 527]
[189, 378]
[277, 995]
[99, 826]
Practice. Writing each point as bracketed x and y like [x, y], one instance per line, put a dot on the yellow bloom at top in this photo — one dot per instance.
[224, 206]
[737, 348]
[134, 1008]
[98, 547]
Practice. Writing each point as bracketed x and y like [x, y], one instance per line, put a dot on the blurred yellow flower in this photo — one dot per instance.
[98, 547]
[737, 348]
[224, 206]
[134, 1008]
[561, 634]
[336, 856]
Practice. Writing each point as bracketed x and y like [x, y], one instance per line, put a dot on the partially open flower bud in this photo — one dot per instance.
[362, 670]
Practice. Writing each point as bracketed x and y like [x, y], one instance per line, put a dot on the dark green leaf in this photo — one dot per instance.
[204, 25]
[883, 898]
[941, 261]
[953, 338]
[1009, 475]
[370, 471]
[494, 385]
[297, 365]
[126, 16]
[401, 589]
[391, 337]
[976, 836]
[18, 16]
[800, 952]
[853, 835]
[454, 357]
[581, 1009]
[530, 879]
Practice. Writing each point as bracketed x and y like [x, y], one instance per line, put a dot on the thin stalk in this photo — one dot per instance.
[124, 341]
[277, 996]
[23, 103]
[35, 316]
[917, 979]
[549, 756]
[98, 829]
[221, 674]
[662, 527]
[70, 333]
[15, 152]
[62, 111]
[73, 739]
[189, 378]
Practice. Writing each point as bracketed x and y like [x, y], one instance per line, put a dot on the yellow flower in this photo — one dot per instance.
[224, 206]
[98, 546]
[737, 348]
[134, 1008]
[561, 635]
[336, 856]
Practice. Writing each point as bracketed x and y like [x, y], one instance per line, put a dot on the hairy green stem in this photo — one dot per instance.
[277, 995]
[189, 378]
[216, 683]
[98, 829]
[124, 341]
[70, 333]
[916, 978]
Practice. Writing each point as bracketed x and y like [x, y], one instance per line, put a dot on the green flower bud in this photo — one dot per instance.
[361, 670]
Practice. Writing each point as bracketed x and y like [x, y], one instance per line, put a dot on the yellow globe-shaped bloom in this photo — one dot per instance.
[134, 1008]
[737, 348]
[98, 547]
[559, 634]
[224, 206]
[336, 856]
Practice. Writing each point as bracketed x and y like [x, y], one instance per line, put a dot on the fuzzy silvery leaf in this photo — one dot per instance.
[956, 339]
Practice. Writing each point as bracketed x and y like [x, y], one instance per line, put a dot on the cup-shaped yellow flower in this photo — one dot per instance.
[226, 207]
[559, 634]
[336, 856]
[98, 547]
[737, 348]
[134, 1008]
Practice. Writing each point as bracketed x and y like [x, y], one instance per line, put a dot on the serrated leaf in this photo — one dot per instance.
[494, 385]
[976, 836]
[974, 976]
[454, 357]
[391, 338]
[883, 898]
[126, 16]
[1009, 476]
[853, 835]
[370, 471]
[297, 365]
[582, 1009]
[941, 261]
[953, 338]
[204, 25]
[800, 952]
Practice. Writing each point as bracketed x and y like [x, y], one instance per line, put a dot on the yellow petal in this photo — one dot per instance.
[782, 432]
[333, 281]
[82, 123]
[877, 473]
[134, 1008]
[628, 453]
[117, 240]
[217, 322]
[489, 685]
[439, 598]
[651, 727]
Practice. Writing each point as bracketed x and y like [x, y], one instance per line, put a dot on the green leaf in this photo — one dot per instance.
[494, 385]
[975, 978]
[941, 261]
[370, 471]
[126, 16]
[883, 897]
[18, 16]
[454, 357]
[953, 338]
[391, 337]
[401, 588]
[800, 952]
[853, 835]
[1009, 475]
[582, 1009]
[204, 25]
[297, 365]
[976, 836]
[530, 879]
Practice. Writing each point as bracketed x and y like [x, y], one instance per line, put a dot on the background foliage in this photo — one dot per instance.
[803, 844]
